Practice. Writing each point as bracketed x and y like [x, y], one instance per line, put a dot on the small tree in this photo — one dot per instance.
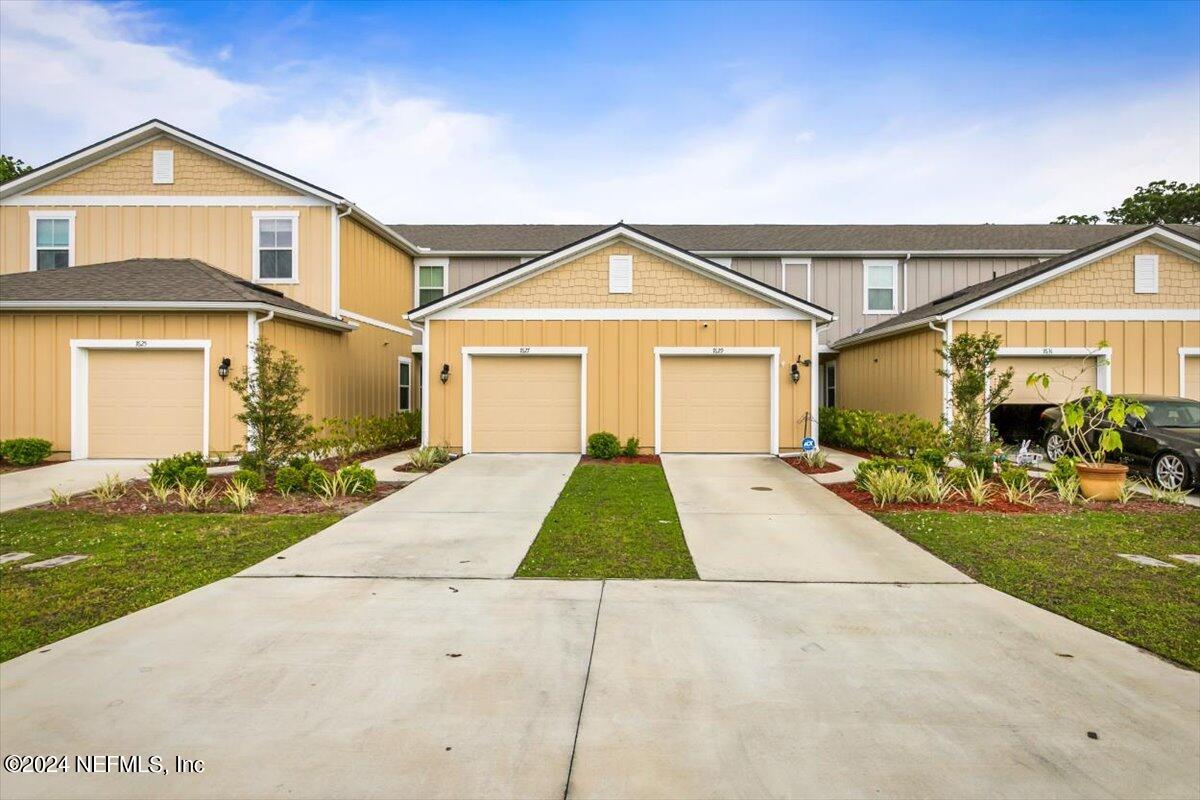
[271, 394]
[975, 391]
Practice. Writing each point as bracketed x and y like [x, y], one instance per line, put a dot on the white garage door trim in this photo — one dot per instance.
[1184, 354]
[1103, 359]
[469, 353]
[765, 352]
[79, 380]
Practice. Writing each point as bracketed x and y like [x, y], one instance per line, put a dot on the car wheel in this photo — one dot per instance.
[1170, 471]
[1056, 446]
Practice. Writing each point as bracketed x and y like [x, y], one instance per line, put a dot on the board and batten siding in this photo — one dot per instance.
[1145, 353]
[469, 270]
[897, 375]
[347, 374]
[221, 236]
[620, 377]
[35, 366]
[376, 277]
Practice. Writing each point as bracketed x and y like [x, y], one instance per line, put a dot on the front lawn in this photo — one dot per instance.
[611, 521]
[1068, 563]
[133, 561]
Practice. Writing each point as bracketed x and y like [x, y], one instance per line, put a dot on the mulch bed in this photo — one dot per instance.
[334, 462]
[999, 505]
[646, 459]
[808, 469]
[853, 452]
[268, 502]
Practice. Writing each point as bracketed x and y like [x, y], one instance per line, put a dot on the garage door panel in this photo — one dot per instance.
[716, 404]
[1191, 377]
[1069, 375]
[525, 404]
[145, 403]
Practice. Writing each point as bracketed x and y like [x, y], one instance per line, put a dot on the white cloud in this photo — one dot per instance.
[70, 74]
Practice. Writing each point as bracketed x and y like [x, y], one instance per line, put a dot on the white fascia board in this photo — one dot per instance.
[1057, 314]
[433, 251]
[620, 314]
[376, 323]
[166, 305]
[384, 230]
[676, 255]
[1188, 246]
[116, 200]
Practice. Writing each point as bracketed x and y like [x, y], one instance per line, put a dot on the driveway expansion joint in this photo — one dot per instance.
[583, 694]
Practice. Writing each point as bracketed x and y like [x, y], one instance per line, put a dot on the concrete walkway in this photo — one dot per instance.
[754, 518]
[475, 517]
[32, 487]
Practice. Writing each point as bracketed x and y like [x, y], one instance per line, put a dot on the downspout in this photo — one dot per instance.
[335, 262]
[252, 335]
[907, 256]
[947, 411]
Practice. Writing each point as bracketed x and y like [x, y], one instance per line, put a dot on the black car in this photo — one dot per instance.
[1166, 443]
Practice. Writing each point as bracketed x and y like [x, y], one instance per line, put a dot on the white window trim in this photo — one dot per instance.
[404, 360]
[34, 216]
[258, 217]
[1184, 353]
[79, 380]
[866, 267]
[444, 263]
[718, 351]
[468, 353]
[784, 263]
[830, 369]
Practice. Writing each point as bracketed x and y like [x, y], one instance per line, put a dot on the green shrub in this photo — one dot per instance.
[872, 465]
[879, 433]
[290, 479]
[25, 452]
[357, 479]
[890, 486]
[959, 477]
[1063, 470]
[271, 396]
[603, 445]
[981, 463]
[252, 480]
[932, 457]
[170, 472]
[346, 437]
[254, 462]
[429, 458]
[631, 447]
[1015, 478]
[313, 475]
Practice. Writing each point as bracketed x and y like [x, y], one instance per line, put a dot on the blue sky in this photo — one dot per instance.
[705, 112]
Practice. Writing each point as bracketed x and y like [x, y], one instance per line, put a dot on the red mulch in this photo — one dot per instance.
[647, 459]
[807, 469]
[334, 462]
[268, 502]
[998, 505]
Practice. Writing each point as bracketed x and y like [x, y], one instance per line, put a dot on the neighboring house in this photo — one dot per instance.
[1122, 315]
[624, 332]
[198, 251]
[865, 274]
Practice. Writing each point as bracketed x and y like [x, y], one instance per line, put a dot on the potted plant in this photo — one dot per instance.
[1091, 429]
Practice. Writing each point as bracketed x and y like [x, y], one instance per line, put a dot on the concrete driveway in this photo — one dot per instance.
[754, 518]
[31, 487]
[475, 517]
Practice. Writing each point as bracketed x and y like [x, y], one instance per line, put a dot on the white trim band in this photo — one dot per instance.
[118, 200]
[375, 323]
[620, 314]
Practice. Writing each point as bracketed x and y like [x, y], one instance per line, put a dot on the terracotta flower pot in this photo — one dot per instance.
[1101, 481]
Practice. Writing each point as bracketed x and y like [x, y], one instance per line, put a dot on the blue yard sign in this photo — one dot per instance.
[808, 445]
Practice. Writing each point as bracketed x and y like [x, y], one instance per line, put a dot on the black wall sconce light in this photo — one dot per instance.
[795, 371]
[223, 368]
[445, 373]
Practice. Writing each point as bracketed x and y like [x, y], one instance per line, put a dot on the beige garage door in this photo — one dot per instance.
[1191, 377]
[145, 403]
[525, 404]
[716, 404]
[1068, 377]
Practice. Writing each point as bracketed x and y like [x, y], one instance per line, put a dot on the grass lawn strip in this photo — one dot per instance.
[611, 521]
[134, 561]
[1068, 564]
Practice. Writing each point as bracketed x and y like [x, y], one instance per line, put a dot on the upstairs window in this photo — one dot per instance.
[275, 250]
[52, 240]
[1145, 274]
[431, 281]
[879, 286]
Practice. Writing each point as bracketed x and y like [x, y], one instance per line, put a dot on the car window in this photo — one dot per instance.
[1181, 414]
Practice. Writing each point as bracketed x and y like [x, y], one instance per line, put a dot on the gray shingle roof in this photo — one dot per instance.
[962, 297]
[776, 238]
[152, 280]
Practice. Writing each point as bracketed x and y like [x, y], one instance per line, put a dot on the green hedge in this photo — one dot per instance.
[879, 433]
